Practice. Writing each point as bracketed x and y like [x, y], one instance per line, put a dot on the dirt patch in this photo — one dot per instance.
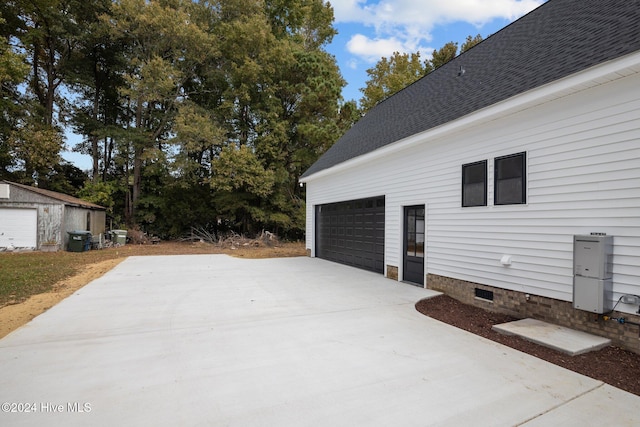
[16, 315]
[198, 248]
[617, 367]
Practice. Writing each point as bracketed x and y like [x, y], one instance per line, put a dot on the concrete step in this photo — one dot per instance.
[557, 337]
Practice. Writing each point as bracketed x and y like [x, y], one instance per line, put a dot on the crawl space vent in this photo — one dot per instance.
[484, 294]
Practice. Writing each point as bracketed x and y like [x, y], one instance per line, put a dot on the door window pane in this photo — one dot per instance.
[411, 244]
[420, 245]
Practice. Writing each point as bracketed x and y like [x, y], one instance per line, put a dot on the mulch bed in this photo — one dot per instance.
[612, 365]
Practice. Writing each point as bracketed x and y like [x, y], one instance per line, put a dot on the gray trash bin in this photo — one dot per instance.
[119, 236]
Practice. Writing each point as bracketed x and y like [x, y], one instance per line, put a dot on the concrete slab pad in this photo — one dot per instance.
[214, 340]
[557, 337]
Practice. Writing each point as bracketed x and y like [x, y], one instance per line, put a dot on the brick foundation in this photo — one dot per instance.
[546, 309]
[392, 272]
[308, 252]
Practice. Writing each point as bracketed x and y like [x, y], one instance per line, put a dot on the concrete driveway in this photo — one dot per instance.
[219, 341]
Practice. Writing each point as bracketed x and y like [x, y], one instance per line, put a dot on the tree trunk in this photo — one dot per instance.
[108, 154]
[137, 163]
[137, 181]
[95, 154]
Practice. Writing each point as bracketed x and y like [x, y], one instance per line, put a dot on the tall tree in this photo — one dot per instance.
[391, 75]
[278, 104]
[48, 36]
[47, 33]
[470, 42]
[443, 55]
[217, 105]
[165, 44]
[94, 74]
[13, 71]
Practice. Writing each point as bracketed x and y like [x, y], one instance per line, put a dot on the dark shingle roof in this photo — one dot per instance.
[559, 38]
[65, 198]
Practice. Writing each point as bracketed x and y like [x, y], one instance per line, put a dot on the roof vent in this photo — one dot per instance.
[461, 71]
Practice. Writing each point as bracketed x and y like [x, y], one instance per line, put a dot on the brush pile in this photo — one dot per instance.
[231, 240]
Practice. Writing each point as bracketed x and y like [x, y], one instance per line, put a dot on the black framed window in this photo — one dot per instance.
[510, 185]
[474, 184]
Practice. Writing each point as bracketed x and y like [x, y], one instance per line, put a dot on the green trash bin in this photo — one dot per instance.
[79, 241]
[119, 236]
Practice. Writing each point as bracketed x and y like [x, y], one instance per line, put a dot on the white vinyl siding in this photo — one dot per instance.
[582, 174]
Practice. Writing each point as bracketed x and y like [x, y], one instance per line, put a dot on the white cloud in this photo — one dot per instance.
[406, 25]
[429, 12]
[352, 64]
[373, 49]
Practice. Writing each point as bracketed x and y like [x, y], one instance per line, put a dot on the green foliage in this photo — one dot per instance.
[308, 21]
[13, 71]
[391, 75]
[443, 55]
[65, 178]
[175, 209]
[13, 68]
[38, 148]
[99, 192]
[164, 47]
[194, 113]
[196, 129]
[470, 42]
[47, 32]
[239, 170]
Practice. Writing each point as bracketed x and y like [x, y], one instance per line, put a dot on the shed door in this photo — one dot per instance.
[352, 233]
[18, 228]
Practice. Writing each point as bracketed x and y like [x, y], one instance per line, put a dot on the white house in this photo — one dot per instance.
[475, 179]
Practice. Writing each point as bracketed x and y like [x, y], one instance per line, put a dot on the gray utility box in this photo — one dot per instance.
[592, 271]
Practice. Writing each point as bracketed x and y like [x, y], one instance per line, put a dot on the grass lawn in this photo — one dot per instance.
[24, 274]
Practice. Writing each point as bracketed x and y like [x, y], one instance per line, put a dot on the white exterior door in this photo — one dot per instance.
[18, 228]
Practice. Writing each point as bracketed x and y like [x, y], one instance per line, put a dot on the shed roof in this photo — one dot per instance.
[64, 198]
[557, 39]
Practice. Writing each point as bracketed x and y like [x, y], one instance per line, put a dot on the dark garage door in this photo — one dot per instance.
[352, 233]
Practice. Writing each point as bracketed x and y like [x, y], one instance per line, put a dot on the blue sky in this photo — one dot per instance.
[371, 29]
